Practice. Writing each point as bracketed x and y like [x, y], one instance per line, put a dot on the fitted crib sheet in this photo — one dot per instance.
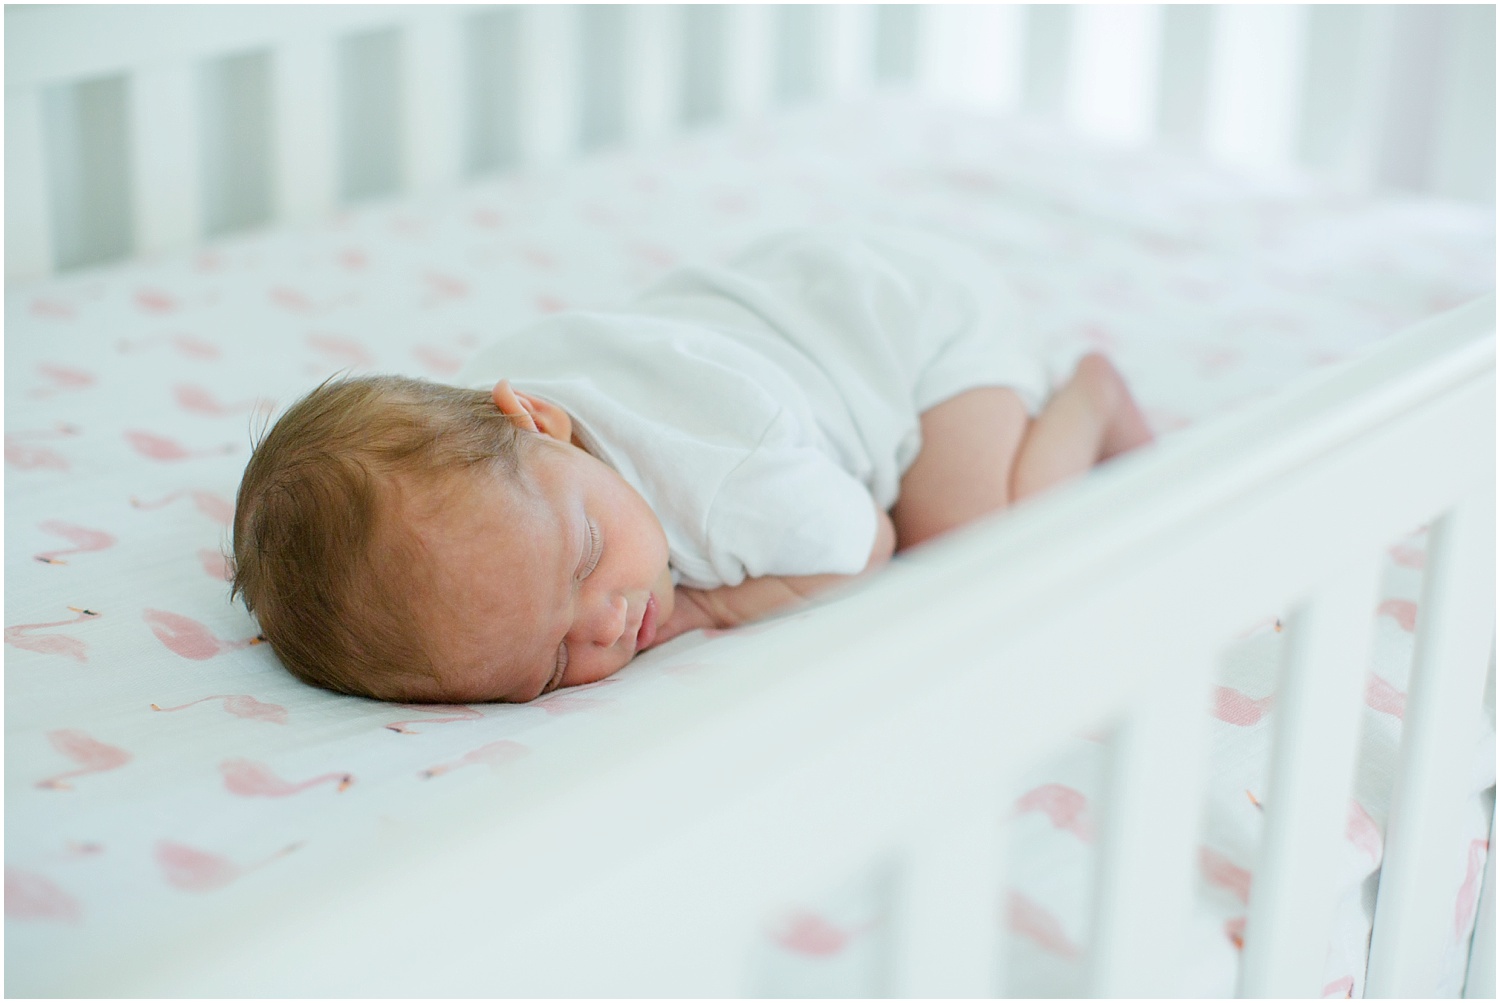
[167, 781]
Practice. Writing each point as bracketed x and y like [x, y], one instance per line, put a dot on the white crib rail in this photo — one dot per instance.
[118, 119]
[866, 734]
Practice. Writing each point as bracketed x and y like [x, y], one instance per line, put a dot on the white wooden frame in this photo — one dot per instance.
[724, 819]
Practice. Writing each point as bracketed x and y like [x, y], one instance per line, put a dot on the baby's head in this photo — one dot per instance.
[411, 541]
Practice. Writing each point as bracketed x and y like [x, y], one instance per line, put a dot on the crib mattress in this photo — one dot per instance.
[167, 781]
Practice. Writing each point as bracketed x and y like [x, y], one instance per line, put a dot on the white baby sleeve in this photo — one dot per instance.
[790, 511]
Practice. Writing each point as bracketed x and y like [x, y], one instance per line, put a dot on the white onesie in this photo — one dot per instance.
[764, 408]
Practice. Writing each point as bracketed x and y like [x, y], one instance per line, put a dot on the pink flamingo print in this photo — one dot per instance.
[1468, 893]
[547, 303]
[63, 378]
[186, 345]
[215, 564]
[1065, 807]
[240, 705]
[85, 540]
[1234, 929]
[1403, 611]
[1362, 831]
[354, 259]
[1233, 707]
[564, 702]
[91, 755]
[51, 644]
[493, 755]
[454, 712]
[189, 638]
[1260, 626]
[27, 457]
[444, 288]
[194, 870]
[56, 309]
[155, 301]
[1220, 871]
[196, 399]
[1030, 920]
[30, 897]
[1409, 556]
[1339, 989]
[250, 779]
[1385, 698]
[805, 932]
[437, 361]
[341, 350]
[211, 505]
[653, 255]
[299, 302]
[488, 219]
[158, 447]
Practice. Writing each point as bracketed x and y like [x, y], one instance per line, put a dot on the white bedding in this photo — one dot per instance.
[166, 780]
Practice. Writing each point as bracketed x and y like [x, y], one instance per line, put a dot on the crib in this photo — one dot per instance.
[174, 173]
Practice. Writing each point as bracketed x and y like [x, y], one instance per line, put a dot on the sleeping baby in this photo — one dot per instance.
[738, 439]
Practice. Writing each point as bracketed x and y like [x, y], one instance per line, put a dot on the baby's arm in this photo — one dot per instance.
[732, 605]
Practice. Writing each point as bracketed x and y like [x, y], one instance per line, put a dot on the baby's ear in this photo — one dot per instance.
[533, 413]
[513, 406]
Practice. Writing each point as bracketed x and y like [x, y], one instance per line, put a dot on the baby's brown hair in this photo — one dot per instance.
[317, 558]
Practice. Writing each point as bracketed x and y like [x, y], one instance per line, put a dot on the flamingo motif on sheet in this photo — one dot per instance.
[198, 400]
[436, 361]
[63, 378]
[1065, 807]
[156, 301]
[1385, 698]
[1025, 917]
[206, 502]
[91, 755]
[1409, 556]
[159, 447]
[493, 755]
[341, 350]
[85, 540]
[194, 870]
[1468, 892]
[805, 932]
[30, 896]
[250, 779]
[1403, 611]
[1221, 872]
[1361, 830]
[443, 288]
[1233, 707]
[240, 705]
[27, 457]
[215, 564]
[1234, 929]
[185, 345]
[1339, 989]
[299, 302]
[19, 636]
[189, 638]
[453, 712]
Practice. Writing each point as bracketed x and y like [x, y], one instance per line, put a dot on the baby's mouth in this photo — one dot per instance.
[647, 632]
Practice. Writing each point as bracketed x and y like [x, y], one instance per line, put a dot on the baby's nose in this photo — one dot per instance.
[607, 621]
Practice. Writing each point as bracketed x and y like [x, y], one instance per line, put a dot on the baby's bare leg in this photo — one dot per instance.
[1091, 418]
[969, 447]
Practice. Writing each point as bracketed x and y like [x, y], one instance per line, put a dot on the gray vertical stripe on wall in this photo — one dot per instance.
[601, 74]
[1044, 78]
[703, 60]
[492, 88]
[1182, 94]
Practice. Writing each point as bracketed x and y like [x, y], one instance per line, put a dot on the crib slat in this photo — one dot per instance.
[1049, 52]
[1186, 48]
[948, 934]
[28, 239]
[164, 157]
[1455, 634]
[1149, 849]
[972, 54]
[303, 122]
[1463, 157]
[432, 88]
[1344, 90]
[1253, 86]
[653, 70]
[1408, 114]
[750, 38]
[1113, 62]
[1319, 706]
[549, 105]
[850, 47]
